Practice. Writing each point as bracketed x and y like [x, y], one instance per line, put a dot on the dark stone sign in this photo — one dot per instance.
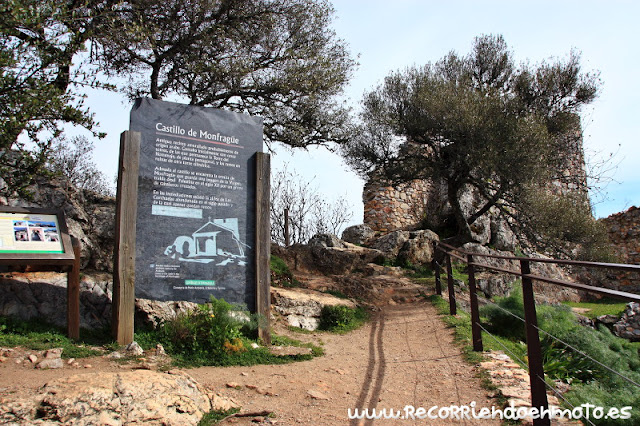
[195, 231]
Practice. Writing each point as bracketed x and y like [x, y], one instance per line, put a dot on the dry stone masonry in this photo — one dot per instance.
[624, 233]
[421, 203]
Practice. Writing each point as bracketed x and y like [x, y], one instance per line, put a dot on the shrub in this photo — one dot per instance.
[592, 382]
[341, 318]
[504, 323]
[207, 332]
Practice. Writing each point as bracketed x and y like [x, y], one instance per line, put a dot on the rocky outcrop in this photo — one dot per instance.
[325, 241]
[302, 308]
[418, 249]
[44, 295]
[90, 218]
[154, 312]
[628, 326]
[135, 397]
[327, 260]
[495, 283]
[358, 234]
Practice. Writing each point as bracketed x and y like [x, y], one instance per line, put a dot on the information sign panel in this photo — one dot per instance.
[195, 231]
[29, 233]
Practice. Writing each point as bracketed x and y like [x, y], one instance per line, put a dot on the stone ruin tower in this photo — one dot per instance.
[423, 203]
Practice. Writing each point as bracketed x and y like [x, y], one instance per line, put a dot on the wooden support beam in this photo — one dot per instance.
[123, 305]
[73, 293]
[263, 245]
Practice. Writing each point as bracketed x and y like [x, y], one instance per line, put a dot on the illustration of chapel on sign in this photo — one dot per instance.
[218, 238]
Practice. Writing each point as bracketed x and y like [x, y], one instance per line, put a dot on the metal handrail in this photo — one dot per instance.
[534, 351]
[578, 286]
[620, 266]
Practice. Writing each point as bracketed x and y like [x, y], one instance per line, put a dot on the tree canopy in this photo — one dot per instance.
[278, 59]
[478, 121]
[39, 84]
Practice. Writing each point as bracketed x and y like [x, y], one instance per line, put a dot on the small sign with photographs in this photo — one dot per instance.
[29, 233]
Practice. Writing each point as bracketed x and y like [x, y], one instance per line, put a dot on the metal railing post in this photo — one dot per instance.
[436, 269]
[476, 332]
[452, 293]
[534, 351]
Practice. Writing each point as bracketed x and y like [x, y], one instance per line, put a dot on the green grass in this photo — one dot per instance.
[459, 272]
[599, 308]
[278, 266]
[461, 323]
[281, 274]
[39, 335]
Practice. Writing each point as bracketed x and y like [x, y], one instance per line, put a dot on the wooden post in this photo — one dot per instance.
[287, 236]
[476, 332]
[73, 294]
[263, 246]
[123, 304]
[534, 351]
[452, 293]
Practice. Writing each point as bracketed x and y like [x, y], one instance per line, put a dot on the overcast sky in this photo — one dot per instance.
[388, 36]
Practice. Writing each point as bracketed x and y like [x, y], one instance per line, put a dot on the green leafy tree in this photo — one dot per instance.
[39, 81]
[277, 59]
[475, 122]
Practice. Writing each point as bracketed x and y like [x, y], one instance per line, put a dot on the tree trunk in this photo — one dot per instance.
[464, 230]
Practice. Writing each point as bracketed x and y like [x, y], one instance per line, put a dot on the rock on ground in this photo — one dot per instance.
[142, 397]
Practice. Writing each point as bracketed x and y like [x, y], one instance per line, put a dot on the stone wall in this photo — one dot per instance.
[624, 233]
[406, 206]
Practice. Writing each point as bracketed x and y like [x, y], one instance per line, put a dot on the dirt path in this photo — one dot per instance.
[405, 356]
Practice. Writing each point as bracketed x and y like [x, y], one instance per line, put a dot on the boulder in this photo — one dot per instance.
[391, 243]
[502, 237]
[134, 397]
[326, 260]
[628, 327]
[155, 312]
[302, 307]
[358, 234]
[418, 250]
[325, 240]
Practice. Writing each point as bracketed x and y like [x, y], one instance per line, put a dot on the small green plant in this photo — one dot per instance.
[281, 275]
[215, 417]
[592, 379]
[341, 318]
[278, 266]
[212, 335]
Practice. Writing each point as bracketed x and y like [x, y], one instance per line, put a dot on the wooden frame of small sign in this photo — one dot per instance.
[40, 237]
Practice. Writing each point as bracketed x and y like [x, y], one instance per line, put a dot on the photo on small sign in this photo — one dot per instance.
[218, 240]
[20, 233]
